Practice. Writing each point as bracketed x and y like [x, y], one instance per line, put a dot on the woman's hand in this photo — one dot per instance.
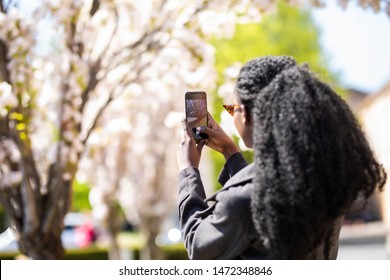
[188, 153]
[218, 139]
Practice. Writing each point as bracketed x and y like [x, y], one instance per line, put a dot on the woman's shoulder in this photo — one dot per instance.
[237, 189]
[242, 177]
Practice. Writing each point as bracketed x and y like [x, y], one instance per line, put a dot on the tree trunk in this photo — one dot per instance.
[38, 218]
[40, 227]
[113, 227]
[151, 251]
[42, 247]
[113, 247]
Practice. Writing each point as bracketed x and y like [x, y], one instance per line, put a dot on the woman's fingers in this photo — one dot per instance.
[200, 145]
[210, 120]
[210, 132]
[187, 134]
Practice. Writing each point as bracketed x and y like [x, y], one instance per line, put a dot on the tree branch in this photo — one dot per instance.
[95, 67]
[147, 39]
[58, 199]
[4, 128]
[131, 48]
[17, 221]
[95, 7]
[31, 221]
[27, 164]
[4, 73]
[110, 98]
[30, 187]
[97, 117]
[92, 83]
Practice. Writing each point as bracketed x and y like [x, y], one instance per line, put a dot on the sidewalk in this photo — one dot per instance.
[363, 242]
[368, 233]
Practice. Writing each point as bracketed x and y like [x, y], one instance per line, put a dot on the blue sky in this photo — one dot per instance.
[357, 41]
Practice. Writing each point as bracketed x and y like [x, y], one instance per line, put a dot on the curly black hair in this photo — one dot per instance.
[312, 159]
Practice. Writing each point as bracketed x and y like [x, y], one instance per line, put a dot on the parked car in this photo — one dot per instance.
[79, 232]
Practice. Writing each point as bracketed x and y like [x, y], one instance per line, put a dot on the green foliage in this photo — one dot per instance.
[3, 224]
[8, 255]
[91, 253]
[175, 252]
[80, 194]
[288, 31]
[170, 252]
[134, 241]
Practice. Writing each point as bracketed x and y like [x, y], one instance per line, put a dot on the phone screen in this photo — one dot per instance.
[196, 112]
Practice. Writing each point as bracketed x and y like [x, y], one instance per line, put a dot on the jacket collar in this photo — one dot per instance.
[240, 178]
[245, 174]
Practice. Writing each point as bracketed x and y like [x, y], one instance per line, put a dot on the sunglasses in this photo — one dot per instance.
[231, 108]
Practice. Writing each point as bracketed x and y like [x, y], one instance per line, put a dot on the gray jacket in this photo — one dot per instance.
[221, 226]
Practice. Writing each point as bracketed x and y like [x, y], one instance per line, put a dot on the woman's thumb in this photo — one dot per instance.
[200, 145]
[208, 131]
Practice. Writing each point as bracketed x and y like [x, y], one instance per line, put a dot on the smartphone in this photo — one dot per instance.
[196, 113]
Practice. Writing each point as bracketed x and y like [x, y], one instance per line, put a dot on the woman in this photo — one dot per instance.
[311, 162]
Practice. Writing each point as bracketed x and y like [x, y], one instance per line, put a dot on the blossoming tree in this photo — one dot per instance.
[52, 100]
[67, 69]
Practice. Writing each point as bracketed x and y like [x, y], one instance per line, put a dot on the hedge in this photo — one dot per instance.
[171, 252]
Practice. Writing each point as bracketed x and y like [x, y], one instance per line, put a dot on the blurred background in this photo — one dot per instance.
[92, 94]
